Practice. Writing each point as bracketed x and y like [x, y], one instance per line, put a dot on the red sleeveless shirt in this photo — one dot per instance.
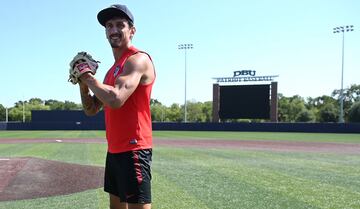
[129, 127]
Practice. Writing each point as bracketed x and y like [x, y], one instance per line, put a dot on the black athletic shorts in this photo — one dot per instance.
[128, 176]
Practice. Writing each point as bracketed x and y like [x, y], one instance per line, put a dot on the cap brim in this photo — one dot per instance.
[108, 13]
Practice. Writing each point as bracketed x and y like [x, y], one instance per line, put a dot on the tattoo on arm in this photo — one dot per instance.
[90, 103]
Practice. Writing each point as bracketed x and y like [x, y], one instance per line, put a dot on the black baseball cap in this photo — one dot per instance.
[116, 10]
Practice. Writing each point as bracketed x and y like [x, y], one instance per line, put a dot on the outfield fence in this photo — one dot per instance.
[77, 120]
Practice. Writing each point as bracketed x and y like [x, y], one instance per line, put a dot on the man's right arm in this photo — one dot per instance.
[91, 104]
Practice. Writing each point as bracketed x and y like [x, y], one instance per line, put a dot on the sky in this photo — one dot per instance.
[289, 38]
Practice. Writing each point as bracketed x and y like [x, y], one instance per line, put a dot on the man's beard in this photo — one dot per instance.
[117, 42]
[114, 45]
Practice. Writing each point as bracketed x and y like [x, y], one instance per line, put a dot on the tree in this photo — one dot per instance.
[2, 113]
[207, 111]
[58, 105]
[329, 113]
[354, 113]
[36, 102]
[306, 116]
[72, 106]
[16, 113]
[290, 108]
[351, 95]
[318, 103]
[194, 112]
[154, 102]
[283, 104]
[174, 113]
[55, 105]
[158, 112]
[23, 108]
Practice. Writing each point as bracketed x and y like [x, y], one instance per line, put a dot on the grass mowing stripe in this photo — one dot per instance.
[103, 198]
[80, 153]
[310, 137]
[338, 170]
[70, 153]
[344, 169]
[8, 150]
[85, 154]
[52, 134]
[97, 154]
[271, 185]
[316, 137]
[28, 150]
[317, 193]
[167, 194]
[344, 173]
[217, 189]
[41, 150]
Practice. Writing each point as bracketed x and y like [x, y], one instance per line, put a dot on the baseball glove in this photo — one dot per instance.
[80, 64]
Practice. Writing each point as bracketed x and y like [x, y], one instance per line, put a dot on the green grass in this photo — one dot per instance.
[200, 178]
[52, 134]
[248, 179]
[315, 137]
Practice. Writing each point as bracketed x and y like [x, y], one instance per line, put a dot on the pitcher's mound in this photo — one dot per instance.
[28, 178]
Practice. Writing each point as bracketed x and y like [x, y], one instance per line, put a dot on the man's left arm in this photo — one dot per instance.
[135, 71]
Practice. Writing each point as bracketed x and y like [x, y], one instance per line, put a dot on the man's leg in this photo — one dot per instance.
[116, 204]
[139, 206]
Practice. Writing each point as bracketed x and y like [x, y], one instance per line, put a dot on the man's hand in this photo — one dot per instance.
[82, 63]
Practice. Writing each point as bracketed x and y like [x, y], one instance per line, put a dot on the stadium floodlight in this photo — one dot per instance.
[342, 29]
[185, 47]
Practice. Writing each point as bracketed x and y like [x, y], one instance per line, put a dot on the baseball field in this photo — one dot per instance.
[191, 170]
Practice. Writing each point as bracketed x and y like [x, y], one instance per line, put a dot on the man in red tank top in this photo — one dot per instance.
[125, 97]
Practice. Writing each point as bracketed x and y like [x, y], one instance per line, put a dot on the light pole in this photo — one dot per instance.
[6, 115]
[342, 29]
[23, 111]
[185, 47]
